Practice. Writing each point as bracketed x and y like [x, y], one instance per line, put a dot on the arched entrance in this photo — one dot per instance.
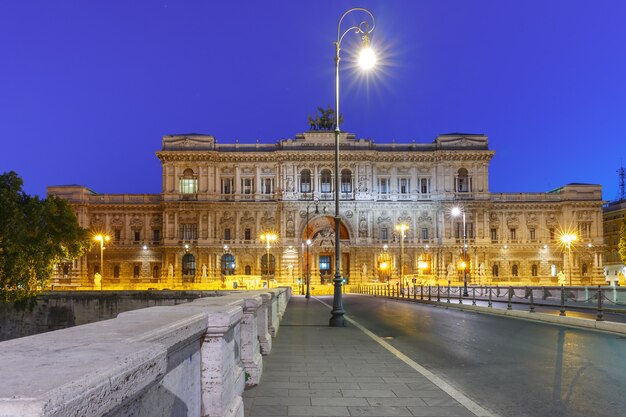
[321, 232]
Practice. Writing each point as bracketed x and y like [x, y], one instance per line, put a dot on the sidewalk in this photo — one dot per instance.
[316, 370]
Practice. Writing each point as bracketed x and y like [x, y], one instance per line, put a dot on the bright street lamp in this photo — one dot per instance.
[567, 239]
[403, 227]
[364, 30]
[101, 238]
[269, 238]
[456, 211]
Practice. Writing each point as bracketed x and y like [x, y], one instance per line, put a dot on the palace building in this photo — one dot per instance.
[208, 226]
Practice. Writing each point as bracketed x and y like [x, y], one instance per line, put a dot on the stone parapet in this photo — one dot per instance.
[191, 359]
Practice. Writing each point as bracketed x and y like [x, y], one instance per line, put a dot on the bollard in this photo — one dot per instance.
[532, 301]
[562, 310]
[509, 306]
[489, 304]
[438, 293]
[600, 313]
[474, 296]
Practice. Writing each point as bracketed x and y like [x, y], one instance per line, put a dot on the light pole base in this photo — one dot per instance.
[337, 320]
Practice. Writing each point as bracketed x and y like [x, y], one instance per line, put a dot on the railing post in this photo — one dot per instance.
[509, 306]
[429, 292]
[489, 304]
[460, 296]
[448, 292]
[438, 293]
[562, 309]
[473, 296]
[422, 292]
[532, 301]
[600, 313]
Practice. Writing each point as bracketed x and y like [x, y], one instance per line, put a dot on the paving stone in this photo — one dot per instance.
[379, 411]
[314, 393]
[368, 393]
[334, 385]
[402, 401]
[281, 401]
[318, 411]
[268, 410]
[440, 412]
[339, 401]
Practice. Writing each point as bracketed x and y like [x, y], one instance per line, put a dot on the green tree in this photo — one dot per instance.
[622, 242]
[35, 234]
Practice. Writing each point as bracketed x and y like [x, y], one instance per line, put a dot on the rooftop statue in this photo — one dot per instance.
[324, 119]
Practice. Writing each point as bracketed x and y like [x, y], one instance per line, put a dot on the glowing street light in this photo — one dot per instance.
[101, 238]
[456, 211]
[567, 239]
[402, 227]
[269, 238]
[364, 29]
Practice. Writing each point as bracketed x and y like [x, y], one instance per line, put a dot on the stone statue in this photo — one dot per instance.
[450, 271]
[364, 271]
[97, 280]
[481, 269]
[561, 278]
[204, 271]
[170, 271]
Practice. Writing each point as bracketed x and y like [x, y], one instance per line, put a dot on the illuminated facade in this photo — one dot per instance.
[205, 227]
[614, 217]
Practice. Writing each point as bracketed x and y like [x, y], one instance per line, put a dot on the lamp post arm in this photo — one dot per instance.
[364, 27]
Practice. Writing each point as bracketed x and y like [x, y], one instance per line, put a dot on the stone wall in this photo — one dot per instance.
[190, 360]
[59, 310]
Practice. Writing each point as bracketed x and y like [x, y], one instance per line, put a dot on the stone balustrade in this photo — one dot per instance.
[192, 359]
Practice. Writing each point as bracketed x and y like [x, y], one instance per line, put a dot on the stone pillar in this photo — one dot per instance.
[263, 324]
[250, 346]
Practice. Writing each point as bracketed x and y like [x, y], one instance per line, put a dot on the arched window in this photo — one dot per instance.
[533, 270]
[228, 264]
[514, 270]
[325, 181]
[136, 271]
[264, 266]
[189, 264]
[155, 271]
[305, 181]
[346, 181]
[462, 181]
[188, 182]
[495, 270]
[247, 270]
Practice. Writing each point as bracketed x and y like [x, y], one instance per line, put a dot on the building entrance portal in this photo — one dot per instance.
[321, 232]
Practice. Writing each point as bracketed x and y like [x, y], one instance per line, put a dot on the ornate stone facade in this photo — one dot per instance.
[218, 199]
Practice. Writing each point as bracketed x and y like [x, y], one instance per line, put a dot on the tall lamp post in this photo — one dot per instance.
[567, 240]
[403, 227]
[456, 211]
[367, 60]
[269, 238]
[101, 238]
[308, 243]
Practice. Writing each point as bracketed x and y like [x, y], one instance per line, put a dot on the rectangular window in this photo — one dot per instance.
[384, 233]
[552, 234]
[188, 185]
[383, 185]
[117, 235]
[267, 185]
[584, 229]
[116, 271]
[137, 235]
[531, 231]
[425, 185]
[247, 234]
[469, 230]
[227, 186]
[324, 263]
[404, 185]
[494, 234]
[188, 231]
[247, 186]
[424, 233]
[156, 235]
[513, 234]
[458, 230]
[227, 234]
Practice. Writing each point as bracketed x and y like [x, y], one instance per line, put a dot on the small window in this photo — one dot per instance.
[532, 234]
[267, 186]
[156, 235]
[188, 231]
[137, 235]
[116, 271]
[424, 185]
[533, 270]
[346, 181]
[384, 233]
[513, 234]
[425, 233]
[136, 271]
[117, 235]
[227, 234]
[514, 270]
[325, 181]
[462, 181]
[156, 271]
[247, 186]
[324, 263]
[383, 185]
[189, 182]
[494, 234]
[247, 234]
[305, 181]
[227, 186]
[495, 270]
[404, 185]
[247, 270]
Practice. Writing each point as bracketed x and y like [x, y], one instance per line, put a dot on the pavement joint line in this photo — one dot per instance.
[463, 399]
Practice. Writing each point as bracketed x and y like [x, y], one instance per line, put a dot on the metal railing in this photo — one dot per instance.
[597, 299]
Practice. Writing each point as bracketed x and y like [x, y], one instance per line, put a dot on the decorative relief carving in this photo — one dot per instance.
[291, 225]
[97, 221]
[246, 219]
[156, 220]
[424, 218]
[227, 218]
[531, 219]
[268, 221]
[363, 225]
[136, 223]
[512, 220]
[383, 218]
[117, 221]
[349, 214]
[584, 216]
[552, 219]
[226, 170]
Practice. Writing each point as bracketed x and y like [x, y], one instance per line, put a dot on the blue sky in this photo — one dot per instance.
[87, 89]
